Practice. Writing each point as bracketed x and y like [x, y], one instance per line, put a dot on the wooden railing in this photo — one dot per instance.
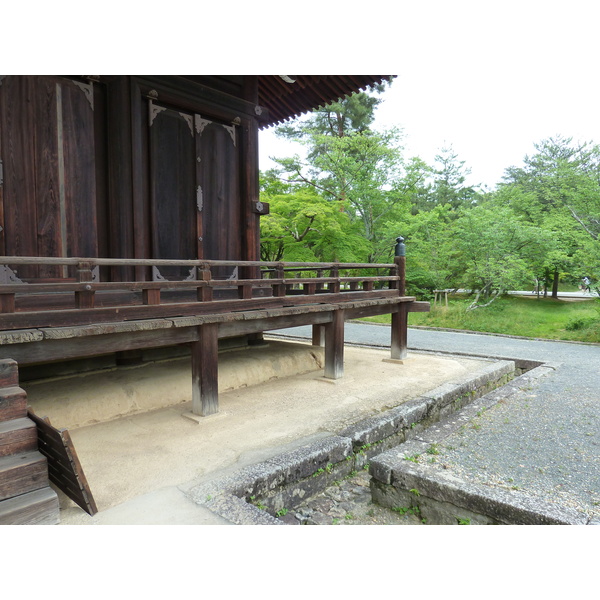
[83, 298]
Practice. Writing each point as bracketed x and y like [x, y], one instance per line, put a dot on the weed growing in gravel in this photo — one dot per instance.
[406, 510]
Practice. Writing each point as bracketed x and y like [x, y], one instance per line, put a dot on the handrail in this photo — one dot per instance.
[149, 262]
[85, 298]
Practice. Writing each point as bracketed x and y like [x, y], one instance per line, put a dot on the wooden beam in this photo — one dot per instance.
[246, 327]
[205, 371]
[334, 346]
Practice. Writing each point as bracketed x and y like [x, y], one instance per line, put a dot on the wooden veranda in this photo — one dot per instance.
[86, 315]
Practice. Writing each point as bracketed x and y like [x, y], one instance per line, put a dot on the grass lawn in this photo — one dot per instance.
[523, 316]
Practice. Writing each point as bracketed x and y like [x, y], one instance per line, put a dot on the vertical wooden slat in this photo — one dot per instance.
[334, 346]
[151, 296]
[84, 299]
[205, 371]
[7, 303]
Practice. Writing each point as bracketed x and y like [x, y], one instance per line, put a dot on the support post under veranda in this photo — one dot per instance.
[334, 346]
[205, 371]
[399, 342]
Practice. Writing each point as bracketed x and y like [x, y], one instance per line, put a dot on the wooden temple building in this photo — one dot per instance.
[129, 220]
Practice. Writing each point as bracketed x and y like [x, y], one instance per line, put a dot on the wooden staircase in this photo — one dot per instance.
[26, 497]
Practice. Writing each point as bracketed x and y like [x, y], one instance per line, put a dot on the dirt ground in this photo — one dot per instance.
[139, 466]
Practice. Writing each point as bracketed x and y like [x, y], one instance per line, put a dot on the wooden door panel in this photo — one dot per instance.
[218, 181]
[172, 164]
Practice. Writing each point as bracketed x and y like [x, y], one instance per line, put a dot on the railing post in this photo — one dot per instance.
[400, 262]
[279, 288]
[334, 287]
[205, 292]
[84, 298]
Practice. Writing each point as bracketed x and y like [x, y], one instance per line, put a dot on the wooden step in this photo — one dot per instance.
[18, 435]
[22, 473]
[13, 403]
[39, 507]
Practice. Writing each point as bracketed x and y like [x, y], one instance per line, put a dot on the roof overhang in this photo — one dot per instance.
[289, 96]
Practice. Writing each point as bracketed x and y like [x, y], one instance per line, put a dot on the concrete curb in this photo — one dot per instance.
[254, 494]
[442, 497]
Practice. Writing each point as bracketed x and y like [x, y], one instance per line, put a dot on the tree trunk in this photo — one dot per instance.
[555, 285]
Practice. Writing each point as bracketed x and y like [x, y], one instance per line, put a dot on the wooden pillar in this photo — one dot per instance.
[334, 346]
[205, 371]
[399, 343]
[318, 335]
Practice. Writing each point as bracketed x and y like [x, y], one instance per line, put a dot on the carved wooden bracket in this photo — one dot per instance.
[87, 89]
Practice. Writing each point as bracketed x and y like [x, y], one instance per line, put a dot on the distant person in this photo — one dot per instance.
[585, 285]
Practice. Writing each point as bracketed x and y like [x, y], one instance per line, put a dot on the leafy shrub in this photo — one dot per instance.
[580, 323]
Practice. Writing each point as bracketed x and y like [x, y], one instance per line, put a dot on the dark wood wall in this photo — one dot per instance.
[128, 167]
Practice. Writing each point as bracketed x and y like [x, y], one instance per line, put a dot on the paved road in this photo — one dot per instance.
[545, 440]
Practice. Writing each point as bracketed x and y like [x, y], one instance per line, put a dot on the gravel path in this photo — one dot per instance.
[544, 440]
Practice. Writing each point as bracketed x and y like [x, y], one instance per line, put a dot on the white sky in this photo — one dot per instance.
[490, 78]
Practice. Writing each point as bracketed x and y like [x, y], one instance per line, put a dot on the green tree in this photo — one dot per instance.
[358, 169]
[449, 185]
[445, 183]
[304, 227]
[433, 260]
[558, 189]
[497, 250]
[353, 114]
